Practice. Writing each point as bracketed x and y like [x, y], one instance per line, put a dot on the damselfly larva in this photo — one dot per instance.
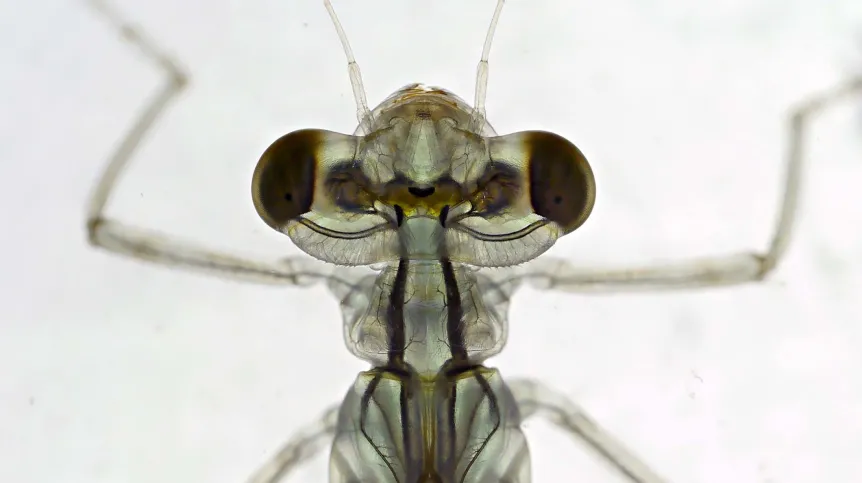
[429, 195]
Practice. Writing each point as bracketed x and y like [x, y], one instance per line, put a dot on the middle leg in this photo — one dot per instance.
[299, 449]
[535, 398]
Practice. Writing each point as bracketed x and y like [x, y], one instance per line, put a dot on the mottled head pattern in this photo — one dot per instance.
[493, 200]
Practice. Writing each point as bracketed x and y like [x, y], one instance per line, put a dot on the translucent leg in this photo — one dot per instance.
[304, 446]
[534, 398]
[363, 114]
[139, 243]
[729, 269]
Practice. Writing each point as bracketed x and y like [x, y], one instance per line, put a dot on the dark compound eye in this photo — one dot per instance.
[562, 186]
[283, 184]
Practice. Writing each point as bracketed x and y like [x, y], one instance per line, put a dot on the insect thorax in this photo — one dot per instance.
[428, 411]
[423, 314]
[460, 426]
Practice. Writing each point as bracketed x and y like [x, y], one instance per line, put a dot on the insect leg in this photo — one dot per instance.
[727, 269]
[144, 244]
[535, 398]
[303, 446]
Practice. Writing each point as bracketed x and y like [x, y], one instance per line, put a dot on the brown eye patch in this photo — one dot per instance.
[283, 183]
[498, 189]
[348, 187]
[562, 186]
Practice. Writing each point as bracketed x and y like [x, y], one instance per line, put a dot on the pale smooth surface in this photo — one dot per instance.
[113, 371]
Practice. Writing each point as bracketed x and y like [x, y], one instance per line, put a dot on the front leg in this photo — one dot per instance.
[140, 243]
[719, 269]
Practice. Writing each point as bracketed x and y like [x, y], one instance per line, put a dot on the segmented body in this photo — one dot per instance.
[428, 410]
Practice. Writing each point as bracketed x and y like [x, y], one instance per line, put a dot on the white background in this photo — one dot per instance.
[115, 371]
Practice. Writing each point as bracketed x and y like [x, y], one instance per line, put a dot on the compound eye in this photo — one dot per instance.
[562, 186]
[284, 180]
